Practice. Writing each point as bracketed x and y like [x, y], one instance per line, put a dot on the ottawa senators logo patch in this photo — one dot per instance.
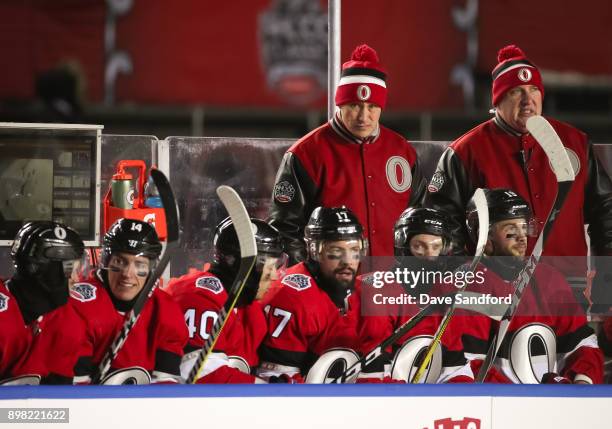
[213, 284]
[83, 292]
[297, 281]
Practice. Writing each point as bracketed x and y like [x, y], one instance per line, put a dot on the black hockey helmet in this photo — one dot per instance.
[131, 236]
[227, 247]
[415, 221]
[332, 224]
[40, 243]
[503, 204]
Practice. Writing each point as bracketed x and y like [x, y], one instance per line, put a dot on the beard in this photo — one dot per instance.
[341, 284]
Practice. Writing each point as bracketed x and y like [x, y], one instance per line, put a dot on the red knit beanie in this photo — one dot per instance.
[362, 79]
[513, 69]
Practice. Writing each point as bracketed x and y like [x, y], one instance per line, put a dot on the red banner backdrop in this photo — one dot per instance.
[272, 53]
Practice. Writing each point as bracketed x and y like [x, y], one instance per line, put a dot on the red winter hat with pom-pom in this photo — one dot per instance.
[513, 69]
[362, 79]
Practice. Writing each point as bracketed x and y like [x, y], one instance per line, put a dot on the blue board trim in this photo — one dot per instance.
[304, 390]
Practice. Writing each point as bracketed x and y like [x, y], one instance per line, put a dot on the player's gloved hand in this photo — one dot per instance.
[554, 378]
[287, 379]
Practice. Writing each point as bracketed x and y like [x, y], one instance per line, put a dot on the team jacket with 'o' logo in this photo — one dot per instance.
[14, 335]
[376, 179]
[303, 323]
[493, 155]
[201, 296]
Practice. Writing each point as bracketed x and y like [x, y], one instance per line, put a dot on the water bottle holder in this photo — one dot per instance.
[155, 216]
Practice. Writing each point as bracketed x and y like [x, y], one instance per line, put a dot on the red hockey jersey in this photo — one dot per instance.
[549, 332]
[383, 321]
[15, 337]
[156, 341]
[303, 323]
[201, 296]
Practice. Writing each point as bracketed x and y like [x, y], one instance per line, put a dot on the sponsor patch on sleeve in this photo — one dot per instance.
[296, 281]
[83, 292]
[284, 192]
[436, 183]
[3, 302]
[213, 284]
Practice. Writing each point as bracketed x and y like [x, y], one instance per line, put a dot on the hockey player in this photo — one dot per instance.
[155, 343]
[315, 309]
[14, 336]
[501, 153]
[422, 241]
[352, 160]
[547, 310]
[201, 296]
[41, 332]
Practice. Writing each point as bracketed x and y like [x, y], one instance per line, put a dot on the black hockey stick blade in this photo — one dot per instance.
[248, 255]
[482, 211]
[549, 140]
[172, 226]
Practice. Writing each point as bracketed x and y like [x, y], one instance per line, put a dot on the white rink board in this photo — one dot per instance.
[259, 412]
[513, 413]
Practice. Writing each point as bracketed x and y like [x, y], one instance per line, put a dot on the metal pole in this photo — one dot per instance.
[333, 53]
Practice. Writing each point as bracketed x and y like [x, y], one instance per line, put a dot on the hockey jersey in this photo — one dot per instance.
[201, 296]
[549, 332]
[15, 337]
[303, 323]
[156, 341]
[377, 324]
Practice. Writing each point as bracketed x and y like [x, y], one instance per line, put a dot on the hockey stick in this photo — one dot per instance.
[248, 255]
[483, 219]
[172, 225]
[482, 210]
[560, 163]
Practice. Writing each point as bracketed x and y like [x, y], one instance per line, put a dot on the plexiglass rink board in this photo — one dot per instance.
[199, 165]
